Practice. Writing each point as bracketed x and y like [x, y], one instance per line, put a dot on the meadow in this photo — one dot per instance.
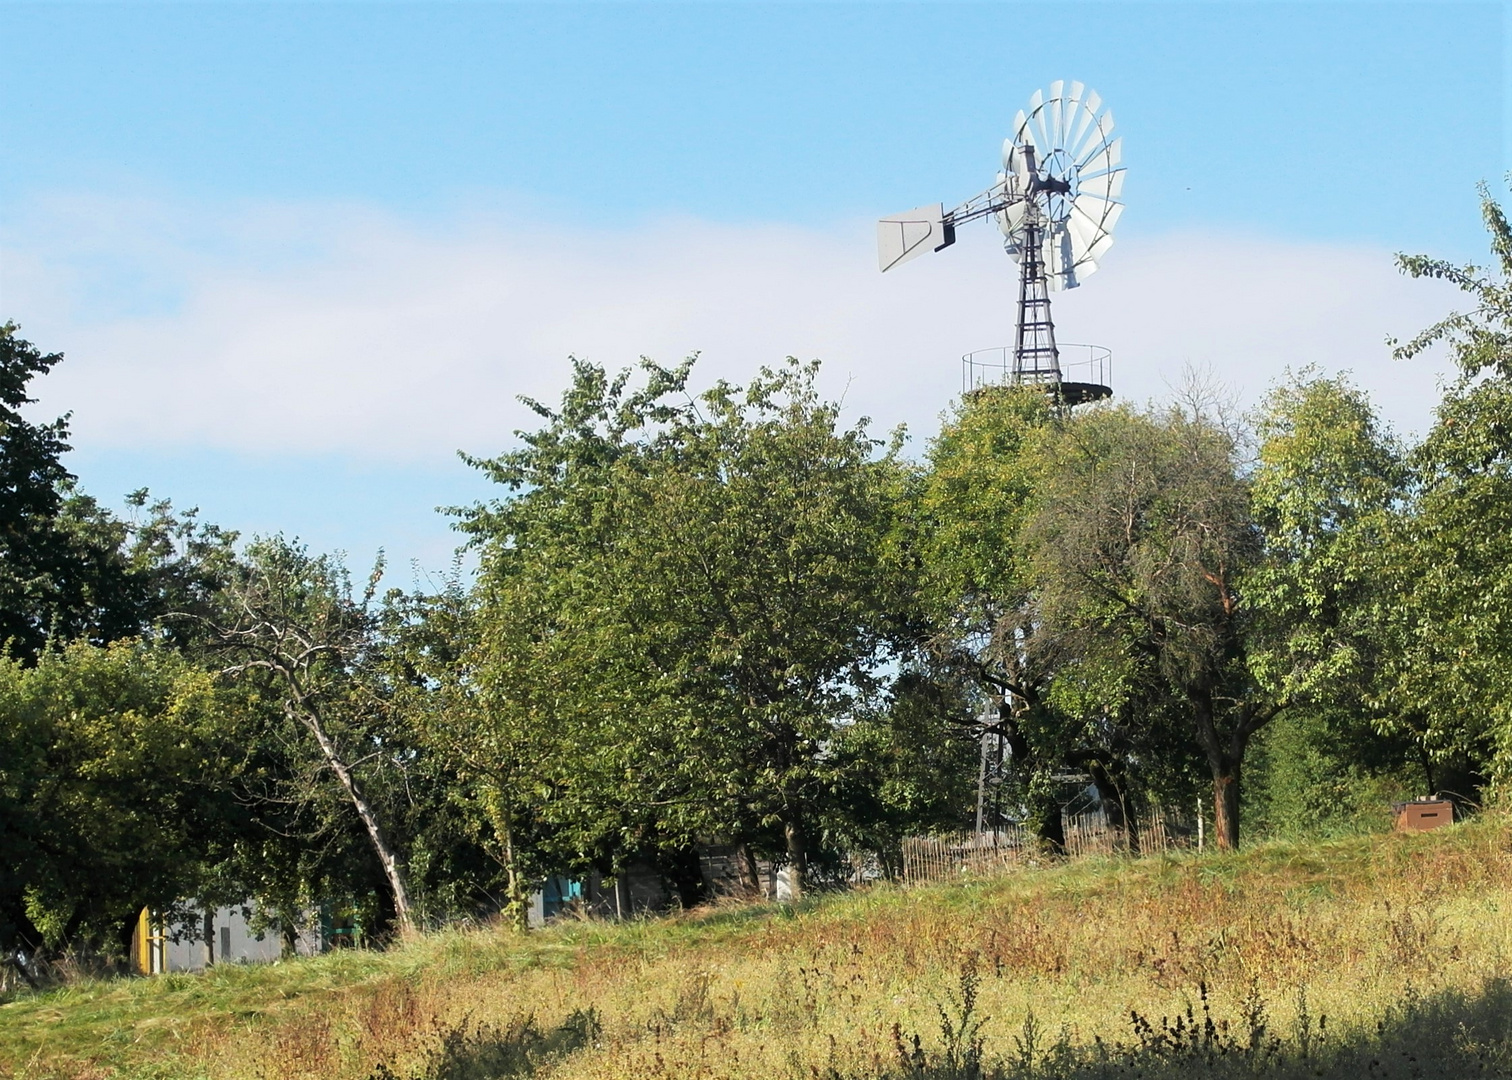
[1380, 956]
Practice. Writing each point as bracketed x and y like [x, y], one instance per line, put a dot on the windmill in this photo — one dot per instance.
[1056, 201]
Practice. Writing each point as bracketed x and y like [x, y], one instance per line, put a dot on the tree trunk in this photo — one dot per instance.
[797, 859]
[209, 931]
[1225, 754]
[1226, 805]
[749, 872]
[387, 857]
[1111, 795]
[1049, 825]
[290, 934]
[385, 919]
[683, 869]
[624, 903]
[1426, 764]
[517, 900]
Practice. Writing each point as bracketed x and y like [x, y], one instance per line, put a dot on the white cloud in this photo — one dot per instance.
[318, 329]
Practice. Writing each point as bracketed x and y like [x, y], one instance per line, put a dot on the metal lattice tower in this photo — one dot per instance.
[1036, 360]
[992, 775]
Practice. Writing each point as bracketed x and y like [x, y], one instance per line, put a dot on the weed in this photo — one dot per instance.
[960, 1056]
[473, 1051]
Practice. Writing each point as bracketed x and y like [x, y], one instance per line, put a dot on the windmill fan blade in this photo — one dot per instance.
[1098, 250]
[1015, 163]
[1087, 227]
[1068, 254]
[1073, 103]
[1022, 135]
[1104, 222]
[1066, 271]
[1112, 156]
[1035, 122]
[1093, 208]
[1074, 113]
[1046, 140]
[1107, 185]
[1050, 254]
[1103, 132]
[1083, 235]
[1100, 132]
[1094, 166]
[1081, 126]
[1055, 111]
[1009, 220]
[1090, 216]
[1085, 269]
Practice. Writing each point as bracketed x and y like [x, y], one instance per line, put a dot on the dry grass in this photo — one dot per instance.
[1285, 960]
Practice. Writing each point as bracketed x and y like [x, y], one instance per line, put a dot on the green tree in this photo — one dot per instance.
[1142, 539]
[542, 705]
[61, 572]
[1449, 620]
[1325, 491]
[1326, 481]
[763, 582]
[685, 599]
[71, 569]
[113, 764]
[1061, 702]
[905, 766]
[977, 586]
[492, 704]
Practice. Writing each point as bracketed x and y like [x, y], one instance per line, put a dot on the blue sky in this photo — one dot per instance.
[298, 254]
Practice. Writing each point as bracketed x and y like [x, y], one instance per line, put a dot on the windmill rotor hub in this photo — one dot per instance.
[1057, 179]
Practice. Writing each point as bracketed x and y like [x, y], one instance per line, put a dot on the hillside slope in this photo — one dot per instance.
[1284, 959]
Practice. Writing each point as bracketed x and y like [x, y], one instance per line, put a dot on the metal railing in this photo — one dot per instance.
[1089, 364]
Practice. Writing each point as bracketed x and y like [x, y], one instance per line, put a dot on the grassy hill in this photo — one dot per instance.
[1372, 956]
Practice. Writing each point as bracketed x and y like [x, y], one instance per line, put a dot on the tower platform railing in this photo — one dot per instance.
[1088, 368]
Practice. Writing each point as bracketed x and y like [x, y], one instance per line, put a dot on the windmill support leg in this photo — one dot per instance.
[1036, 360]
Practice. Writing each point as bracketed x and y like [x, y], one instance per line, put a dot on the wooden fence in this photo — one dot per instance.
[964, 855]
[967, 855]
